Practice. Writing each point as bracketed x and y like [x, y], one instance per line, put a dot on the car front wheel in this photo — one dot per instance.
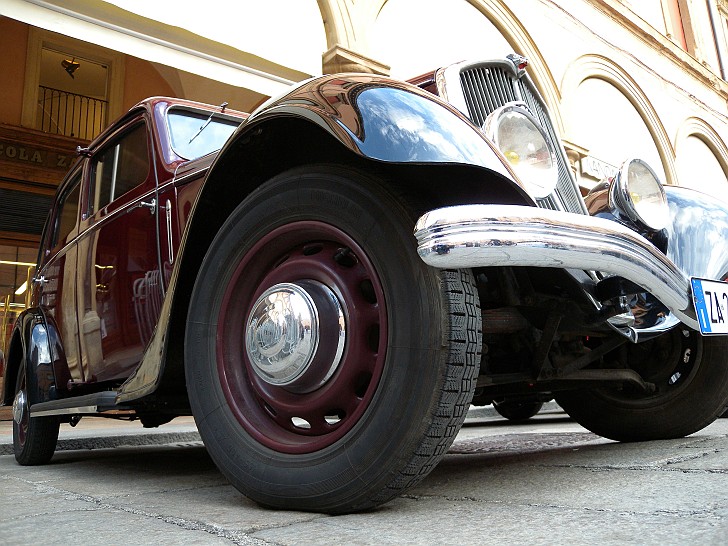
[328, 368]
[690, 376]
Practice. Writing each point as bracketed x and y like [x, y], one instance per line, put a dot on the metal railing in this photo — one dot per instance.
[69, 114]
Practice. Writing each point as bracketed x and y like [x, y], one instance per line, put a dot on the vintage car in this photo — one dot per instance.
[361, 260]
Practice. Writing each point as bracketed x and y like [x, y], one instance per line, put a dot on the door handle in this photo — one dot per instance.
[151, 205]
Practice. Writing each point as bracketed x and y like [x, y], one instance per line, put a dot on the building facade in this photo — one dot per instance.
[622, 78]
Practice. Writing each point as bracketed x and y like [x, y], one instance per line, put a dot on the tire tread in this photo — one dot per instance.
[463, 361]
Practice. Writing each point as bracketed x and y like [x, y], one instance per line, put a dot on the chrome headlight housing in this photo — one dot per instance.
[521, 139]
[637, 193]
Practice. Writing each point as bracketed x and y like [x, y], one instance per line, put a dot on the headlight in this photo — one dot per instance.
[638, 194]
[523, 142]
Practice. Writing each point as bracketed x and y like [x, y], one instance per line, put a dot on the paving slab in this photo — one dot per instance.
[547, 481]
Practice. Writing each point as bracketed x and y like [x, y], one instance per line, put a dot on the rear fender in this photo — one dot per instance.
[30, 346]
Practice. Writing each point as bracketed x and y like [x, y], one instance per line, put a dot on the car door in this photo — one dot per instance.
[55, 282]
[119, 283]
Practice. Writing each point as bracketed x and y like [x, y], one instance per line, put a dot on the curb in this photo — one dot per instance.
[126, 440]
[108, 439]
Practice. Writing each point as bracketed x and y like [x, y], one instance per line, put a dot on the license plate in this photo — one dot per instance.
[711, 305]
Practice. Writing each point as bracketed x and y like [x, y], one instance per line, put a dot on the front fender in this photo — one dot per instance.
[382, 119]
[698, 233]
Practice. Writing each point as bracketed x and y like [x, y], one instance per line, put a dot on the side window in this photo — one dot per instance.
[67, 214]
[120, 167]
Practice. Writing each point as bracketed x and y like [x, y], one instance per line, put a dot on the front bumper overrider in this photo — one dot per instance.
[468, 236]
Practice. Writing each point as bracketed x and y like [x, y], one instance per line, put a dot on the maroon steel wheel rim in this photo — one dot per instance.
[276, 416]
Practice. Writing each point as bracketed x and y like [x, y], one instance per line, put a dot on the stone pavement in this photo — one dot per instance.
[548, 481]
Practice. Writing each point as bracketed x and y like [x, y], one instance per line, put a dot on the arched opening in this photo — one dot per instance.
[609, 116]
[698, 167]
[416, 36]
[605, 122]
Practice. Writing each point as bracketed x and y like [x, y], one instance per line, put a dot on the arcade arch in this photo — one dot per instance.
[607, 113]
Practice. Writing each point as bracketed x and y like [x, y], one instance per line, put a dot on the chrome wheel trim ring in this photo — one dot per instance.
[20, 407]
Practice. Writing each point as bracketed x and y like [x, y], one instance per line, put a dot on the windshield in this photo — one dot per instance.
[185, 124]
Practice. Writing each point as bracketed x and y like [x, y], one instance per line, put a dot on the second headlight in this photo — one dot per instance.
[525, 145]
[638, 194]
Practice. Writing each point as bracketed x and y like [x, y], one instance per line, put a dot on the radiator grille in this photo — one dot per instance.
[488, 87]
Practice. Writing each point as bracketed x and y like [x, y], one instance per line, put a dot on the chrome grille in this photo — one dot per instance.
[486, 89]
[488, 86]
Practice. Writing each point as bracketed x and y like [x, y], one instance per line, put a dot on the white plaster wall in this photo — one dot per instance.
[586, 30]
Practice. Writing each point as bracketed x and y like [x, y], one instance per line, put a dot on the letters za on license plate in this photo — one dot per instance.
[711, 305]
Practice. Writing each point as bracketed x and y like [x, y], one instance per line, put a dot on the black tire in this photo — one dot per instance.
[34, 438]
[518, 410]
[691, 379]
[378, 424]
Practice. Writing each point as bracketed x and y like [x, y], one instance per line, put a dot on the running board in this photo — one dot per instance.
[90, 403]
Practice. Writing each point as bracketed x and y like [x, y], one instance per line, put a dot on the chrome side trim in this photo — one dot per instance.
[178, 179]
[509, 235]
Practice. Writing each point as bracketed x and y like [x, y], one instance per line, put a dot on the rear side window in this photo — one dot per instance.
[120, 167]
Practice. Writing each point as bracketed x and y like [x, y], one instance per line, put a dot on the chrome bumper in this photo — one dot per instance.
[509, 235]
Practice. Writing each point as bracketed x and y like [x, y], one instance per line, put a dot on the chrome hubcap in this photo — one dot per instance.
[19, 407]
[295, 335]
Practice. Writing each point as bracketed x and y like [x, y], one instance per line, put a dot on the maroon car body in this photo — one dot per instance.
[109, 244]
